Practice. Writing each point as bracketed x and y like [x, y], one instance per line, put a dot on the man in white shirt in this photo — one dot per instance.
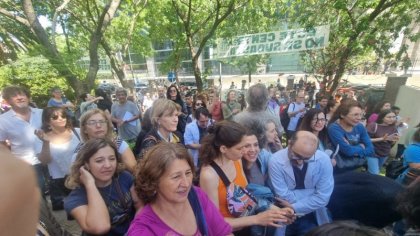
[18, 126]
[296, 111]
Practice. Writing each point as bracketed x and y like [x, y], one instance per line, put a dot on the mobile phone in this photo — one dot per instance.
[278, 204]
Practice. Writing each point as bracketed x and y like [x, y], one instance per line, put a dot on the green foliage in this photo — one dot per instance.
[36, 74]
[357, 29]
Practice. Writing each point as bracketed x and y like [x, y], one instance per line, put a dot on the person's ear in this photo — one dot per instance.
[223, 149]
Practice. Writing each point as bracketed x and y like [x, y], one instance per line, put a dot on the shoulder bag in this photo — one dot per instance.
[240, 202]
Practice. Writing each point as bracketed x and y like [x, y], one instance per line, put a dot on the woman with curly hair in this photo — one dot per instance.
[103, 197]
[173, 205]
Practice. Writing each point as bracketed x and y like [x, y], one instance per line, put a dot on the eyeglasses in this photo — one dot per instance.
[199, 104]
[316, 120]
[96, 122]
[355, 115]
[172, 91]
[56, 117]
[297, 157]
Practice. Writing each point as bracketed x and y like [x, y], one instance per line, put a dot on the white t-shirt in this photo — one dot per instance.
[61, 155]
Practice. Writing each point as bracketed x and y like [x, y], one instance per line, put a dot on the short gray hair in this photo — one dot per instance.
[119, 90]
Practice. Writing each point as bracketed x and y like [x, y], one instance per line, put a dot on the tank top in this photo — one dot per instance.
[239, 180]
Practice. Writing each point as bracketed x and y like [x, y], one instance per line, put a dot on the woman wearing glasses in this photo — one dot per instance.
[55, 146]
[96, 124]
[103, 200]
[315, 122]
[346, 131]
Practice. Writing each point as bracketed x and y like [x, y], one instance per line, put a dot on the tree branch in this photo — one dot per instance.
[133, 23]
[54, 19]
[352, 20]
[14, 17]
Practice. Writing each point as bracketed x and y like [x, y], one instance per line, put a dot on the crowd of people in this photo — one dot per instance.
[264, 162]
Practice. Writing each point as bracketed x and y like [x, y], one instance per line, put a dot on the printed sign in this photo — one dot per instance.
[273, 42]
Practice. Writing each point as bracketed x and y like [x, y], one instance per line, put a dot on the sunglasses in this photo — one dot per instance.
[55, 117]
[199, 104]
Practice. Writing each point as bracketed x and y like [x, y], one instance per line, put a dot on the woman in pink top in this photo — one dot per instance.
[384, 105]
[173, 206]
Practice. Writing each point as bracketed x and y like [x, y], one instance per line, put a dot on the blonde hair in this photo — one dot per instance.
[86, 116]
[83, 156]
[161, 107]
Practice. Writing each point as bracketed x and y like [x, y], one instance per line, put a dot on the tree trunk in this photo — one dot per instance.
[117, 67]
[343, 61]
[96, 38]
[50, 52]
[197, 74]
[196, 68]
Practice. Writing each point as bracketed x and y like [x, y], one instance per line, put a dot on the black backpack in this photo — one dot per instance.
[284, 117]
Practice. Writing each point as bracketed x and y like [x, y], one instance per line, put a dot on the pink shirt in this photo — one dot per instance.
[148, 223]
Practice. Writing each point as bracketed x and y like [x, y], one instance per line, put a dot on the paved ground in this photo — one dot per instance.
[71, 226]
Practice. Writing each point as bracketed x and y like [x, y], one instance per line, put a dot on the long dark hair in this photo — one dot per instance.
[178, 99]
[227, 133]
[306, 124]
[379, 106]
[178, 95]
[382, 115]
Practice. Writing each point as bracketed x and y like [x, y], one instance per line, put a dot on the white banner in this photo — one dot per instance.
[273, 42]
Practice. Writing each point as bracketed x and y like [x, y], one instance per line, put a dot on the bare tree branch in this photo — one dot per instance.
[12, 16]
[54, 19]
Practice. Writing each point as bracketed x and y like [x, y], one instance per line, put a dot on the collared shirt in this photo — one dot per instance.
[319, 182]
[192, 136]
[20, 134]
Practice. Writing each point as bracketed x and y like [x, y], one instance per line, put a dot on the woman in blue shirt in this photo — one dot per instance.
[347, 132]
